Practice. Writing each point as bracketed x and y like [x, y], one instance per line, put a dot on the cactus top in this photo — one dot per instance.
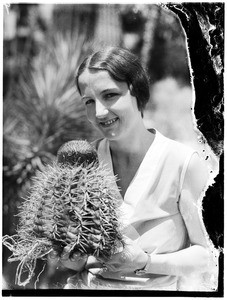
[77, 152]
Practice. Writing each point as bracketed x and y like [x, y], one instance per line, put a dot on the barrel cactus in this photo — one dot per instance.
[73, 203]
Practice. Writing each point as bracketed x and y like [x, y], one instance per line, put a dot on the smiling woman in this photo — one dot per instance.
[123, 66]
[109, 104]
[161, 183]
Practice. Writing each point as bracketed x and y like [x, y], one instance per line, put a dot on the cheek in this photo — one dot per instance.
[125, 106]
[90, 111]
[120, 105]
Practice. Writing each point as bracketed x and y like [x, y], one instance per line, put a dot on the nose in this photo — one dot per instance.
[101, 110]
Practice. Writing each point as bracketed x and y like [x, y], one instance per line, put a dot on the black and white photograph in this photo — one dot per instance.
[113, 149]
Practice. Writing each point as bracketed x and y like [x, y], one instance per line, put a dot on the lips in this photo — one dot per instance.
[108, 122]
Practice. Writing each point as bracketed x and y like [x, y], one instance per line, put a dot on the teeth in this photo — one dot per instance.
[109, 122]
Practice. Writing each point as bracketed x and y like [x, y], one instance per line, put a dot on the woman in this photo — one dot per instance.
[161, 183]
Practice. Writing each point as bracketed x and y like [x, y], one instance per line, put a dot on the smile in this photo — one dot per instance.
[109, 122]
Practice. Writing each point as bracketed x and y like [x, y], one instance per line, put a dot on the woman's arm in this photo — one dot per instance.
[198, 257]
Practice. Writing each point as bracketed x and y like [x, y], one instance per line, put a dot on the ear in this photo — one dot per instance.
[131, 89]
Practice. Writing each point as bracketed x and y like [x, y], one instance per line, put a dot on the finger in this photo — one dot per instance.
[110, 267]
[75, 256]
[92, 263]
[119, 248]
[53, 254]
[128, 241]
[83, 257]
[64, 256]
[65, 253]
[122, 257]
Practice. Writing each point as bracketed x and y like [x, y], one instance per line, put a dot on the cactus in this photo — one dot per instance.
[72, 203]
[75, 152]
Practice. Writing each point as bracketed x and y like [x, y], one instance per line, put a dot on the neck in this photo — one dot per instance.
[136, 144]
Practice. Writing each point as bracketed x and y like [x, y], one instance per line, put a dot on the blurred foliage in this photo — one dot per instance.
[168, 56]
[158, 39]
[47, 110]
[67, 18]
[41, 111]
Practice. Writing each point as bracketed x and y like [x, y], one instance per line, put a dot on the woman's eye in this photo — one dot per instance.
[89, 101]
[110, 95]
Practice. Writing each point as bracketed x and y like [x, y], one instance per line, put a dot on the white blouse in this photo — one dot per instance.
[150, 210]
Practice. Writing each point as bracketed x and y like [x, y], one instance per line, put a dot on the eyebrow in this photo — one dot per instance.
[102, 92]
[107, 90]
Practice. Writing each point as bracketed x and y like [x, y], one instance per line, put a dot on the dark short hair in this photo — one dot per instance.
[122, 65]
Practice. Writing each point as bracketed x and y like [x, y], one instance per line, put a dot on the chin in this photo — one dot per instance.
[110, 135]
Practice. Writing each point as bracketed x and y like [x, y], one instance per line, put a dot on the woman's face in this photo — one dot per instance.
[109, 105]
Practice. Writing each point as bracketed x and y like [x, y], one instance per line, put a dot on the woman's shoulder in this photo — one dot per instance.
[176, 146]
[180, 147]
[174, 151]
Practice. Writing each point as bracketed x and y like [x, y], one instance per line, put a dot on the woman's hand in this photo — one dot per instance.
[131, 258]
[76, 261]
